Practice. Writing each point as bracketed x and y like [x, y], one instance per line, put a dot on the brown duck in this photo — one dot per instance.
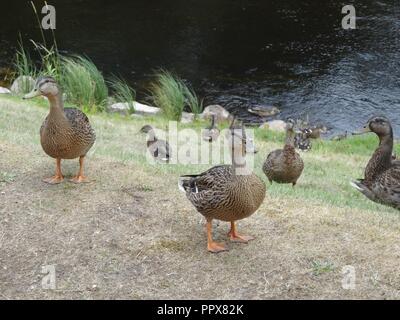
[381, 181]
[226, 192]
[284, 165]
[65, 133]
[159, 149]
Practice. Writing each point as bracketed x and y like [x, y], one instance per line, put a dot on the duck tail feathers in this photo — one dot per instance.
[186, 183]
[357, 185]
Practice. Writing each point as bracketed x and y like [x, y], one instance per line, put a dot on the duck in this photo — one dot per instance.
[263, 112]
[316, 131]
[284, 165]
[211, 133]
[159, 149]
[302, 139]
[228, 192]
[66, 133]
[340, 137]
[381, 181]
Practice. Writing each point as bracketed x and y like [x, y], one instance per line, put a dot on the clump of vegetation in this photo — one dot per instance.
[50, 60]
[83, 83]
[320, 267]
[172, 95]
[24, 66]
[194, 103]
[6, 177]
[123, 92]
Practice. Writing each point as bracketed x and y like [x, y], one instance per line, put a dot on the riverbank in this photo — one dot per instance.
[131, 233]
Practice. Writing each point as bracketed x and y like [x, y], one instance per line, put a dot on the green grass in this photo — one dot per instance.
[321, 267]
[329, 166]
[83, 83]
[172, 95]
[50, 60]
[122, 92]
[80, 79]
[194, 103]
[24, 66]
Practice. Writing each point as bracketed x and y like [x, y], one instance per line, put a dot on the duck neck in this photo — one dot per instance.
[240, 166]
[56, 108]
[382, 157]
[289, 142]
[151, 137]
[212, 121]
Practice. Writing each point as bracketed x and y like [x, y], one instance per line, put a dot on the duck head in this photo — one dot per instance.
[237, 140]
[379, 125]
[146, 129]
[44, 86]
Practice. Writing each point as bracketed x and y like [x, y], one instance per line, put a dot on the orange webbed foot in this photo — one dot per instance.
[54, 179]
[240, 238]
[79, 179]
[215, 247]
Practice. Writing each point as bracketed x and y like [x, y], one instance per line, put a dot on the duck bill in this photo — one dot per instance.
[363, 130]
[34, 93]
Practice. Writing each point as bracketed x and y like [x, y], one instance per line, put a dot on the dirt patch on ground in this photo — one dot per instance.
[131, 235]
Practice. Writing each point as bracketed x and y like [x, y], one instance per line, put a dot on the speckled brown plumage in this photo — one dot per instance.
[381, 181]
[66, 134]
[221, 194]
[226, 192]
[284, 165]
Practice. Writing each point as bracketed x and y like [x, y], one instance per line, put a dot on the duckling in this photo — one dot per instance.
[381, 181]
[159, 149]
[66, 133]
[340, 137]
[263, 112]
[316, 131]
[211, 133]
[302, 139]
[284, 165]
[226, 192]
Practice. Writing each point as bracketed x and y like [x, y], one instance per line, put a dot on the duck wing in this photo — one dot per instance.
[211, 179]
[79, 122]
[160, 150]
[385, 189]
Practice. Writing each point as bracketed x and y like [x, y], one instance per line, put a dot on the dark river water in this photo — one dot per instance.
[289, 53]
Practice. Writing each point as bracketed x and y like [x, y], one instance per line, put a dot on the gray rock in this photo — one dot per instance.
[120, 107]
[145, 109]
[123, 108]
[274, 125]
[187, 117]
[4, 90]
[221, 114]
[22, 85]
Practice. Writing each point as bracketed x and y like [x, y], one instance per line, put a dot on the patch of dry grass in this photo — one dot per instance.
[131, 234]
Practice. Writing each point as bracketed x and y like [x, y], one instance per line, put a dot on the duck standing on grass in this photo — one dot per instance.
[381, 181]
[226, 192]
[284, 165]
[65, 133]
[159, 149]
